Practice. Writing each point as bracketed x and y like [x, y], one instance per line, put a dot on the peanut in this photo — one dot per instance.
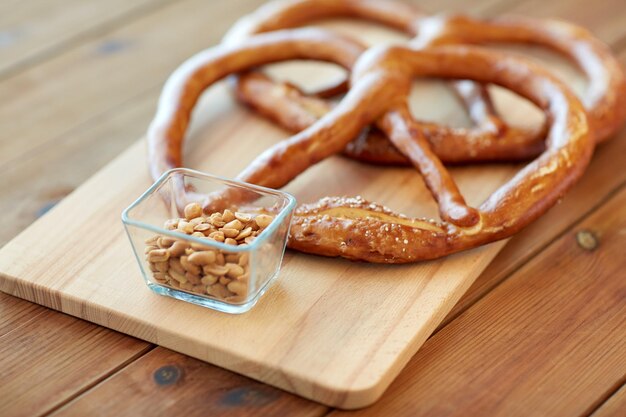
[263, 220]
[234, 270]
[165, 242]
[243, 217]
[215, 270]
[185, 227]
[228, 216]
[235, 224]
[202, 258]
[244, 233]
[192, 211]
[176, 265]
[178, 248]
[237, 287]
[208, 279]
[189, 267]
[158, 255]
[200, 268]
[228, 232]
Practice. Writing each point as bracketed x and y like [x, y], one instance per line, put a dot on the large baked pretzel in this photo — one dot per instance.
[605, 98]
[278, 46]
[352, 227]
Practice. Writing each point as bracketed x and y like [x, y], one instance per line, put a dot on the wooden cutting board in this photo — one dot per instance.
[331, 330]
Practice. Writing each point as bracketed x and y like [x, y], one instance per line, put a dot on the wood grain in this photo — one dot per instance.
[160, 41]
[165, 383]
[548, 341]
[57, 356]
[33, 30]
[106, 133]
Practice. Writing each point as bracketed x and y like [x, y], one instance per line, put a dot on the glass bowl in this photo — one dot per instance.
[224, 260]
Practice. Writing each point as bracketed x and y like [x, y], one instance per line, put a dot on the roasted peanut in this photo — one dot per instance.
[149, 249]
[193, 278]
[263, 220]
[177, 276]
[162, 266]
[230, 241]
[171, 224]
[218, 290]
[165, 242]
[217, 236]
[228, 216]
[244, 233]
[185, 227]
[189, 267]
[192, 211]
[237, 287]
[202, 258]
[158, 255]
[178, 248]
[176, 265]
[208, 279]
[235, 224]
[197, 221]
[229, 233]
[202, 227]
[243, 217]
[234, 270]
[218, 270]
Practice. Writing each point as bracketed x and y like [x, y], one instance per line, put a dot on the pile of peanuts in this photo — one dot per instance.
[201, 269]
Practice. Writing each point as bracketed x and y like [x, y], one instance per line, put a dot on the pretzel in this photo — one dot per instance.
[167, 131]
[352, 227]
[492, 141]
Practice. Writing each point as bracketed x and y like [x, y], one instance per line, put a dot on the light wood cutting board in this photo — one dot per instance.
[331, 330]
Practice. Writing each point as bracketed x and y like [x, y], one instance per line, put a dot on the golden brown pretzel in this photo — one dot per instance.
[351, 227]
[490, 139]
[605, 97]
[273, 47]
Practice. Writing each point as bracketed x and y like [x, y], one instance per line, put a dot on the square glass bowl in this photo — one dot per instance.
[195, 267]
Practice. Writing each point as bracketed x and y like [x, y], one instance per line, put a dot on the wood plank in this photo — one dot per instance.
[548, 341]
[33, 30]
[165, 383]
[614, 406]
[54, 356]
[90, 79]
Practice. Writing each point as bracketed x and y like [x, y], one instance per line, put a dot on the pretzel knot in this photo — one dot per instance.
[381, 79]
[491, 139]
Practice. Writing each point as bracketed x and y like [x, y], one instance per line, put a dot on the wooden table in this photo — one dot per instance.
[542, 331]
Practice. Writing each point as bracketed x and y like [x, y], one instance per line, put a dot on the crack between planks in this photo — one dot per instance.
[102, 378]
[602, 400]
[81, 37]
